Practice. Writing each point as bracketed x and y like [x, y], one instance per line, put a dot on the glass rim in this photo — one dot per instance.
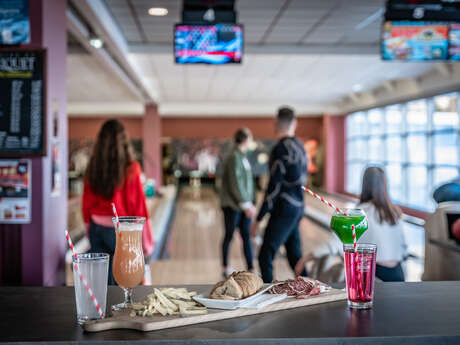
[349, 212]
[90, 257]
[361, 246]
[129, 219]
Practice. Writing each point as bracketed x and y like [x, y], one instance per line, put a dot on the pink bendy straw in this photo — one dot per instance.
[82, 278]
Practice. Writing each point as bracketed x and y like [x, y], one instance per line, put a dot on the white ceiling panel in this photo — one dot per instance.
[280, 78]
[306, 70]
[88, 81]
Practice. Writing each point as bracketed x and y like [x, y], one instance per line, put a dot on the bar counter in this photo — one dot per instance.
[403, 313]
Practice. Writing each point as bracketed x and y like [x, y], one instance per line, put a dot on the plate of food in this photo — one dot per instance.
[238, 290]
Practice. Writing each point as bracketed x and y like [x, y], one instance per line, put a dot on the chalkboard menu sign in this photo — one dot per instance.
[22, 103]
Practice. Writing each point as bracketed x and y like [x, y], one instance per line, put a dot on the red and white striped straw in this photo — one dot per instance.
[355, 243]
[82, 278]
[114, 209]
[319, 197]
[115, 214]
[355, 249]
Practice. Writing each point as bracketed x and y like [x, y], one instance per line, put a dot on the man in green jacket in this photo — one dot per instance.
[237, 198]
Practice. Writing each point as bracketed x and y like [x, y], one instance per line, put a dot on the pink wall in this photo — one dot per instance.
[151, 147]
[334, 144]
[218, 127]
[42, 243]
[88, 127]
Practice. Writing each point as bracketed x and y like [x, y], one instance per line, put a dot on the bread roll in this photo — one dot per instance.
[238, 286]
[228, 288]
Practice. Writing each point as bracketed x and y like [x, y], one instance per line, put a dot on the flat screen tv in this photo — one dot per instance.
[415, 41]
[209, 44]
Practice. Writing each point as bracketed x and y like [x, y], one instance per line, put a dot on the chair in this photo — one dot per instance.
[442, 250]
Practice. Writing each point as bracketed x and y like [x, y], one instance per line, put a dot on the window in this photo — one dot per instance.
[442, 175]
[356, 125]
[393, 119]
[417, 186]
[417, 143]
[394, 148]
[375, 121]
[375, 150]
[395, 181]
[417, 117]
[445, 114]
[417, 148]
[446, 148]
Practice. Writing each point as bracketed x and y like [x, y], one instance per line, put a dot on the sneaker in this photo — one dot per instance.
[228, 272]
[253, 270]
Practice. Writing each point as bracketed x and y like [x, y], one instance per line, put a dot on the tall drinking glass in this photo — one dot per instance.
[128, 261]
[342, 224]
[94, 267]
[360, 274]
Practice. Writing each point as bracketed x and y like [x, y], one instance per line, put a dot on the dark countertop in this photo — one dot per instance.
[404, 313]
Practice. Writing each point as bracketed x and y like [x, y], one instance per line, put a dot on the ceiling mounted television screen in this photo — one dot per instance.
[415, 41]
[210, 44]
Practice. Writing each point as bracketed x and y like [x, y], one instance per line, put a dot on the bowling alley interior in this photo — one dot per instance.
[183, 155]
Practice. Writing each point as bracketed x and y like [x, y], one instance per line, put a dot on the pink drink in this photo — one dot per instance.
[360, 274]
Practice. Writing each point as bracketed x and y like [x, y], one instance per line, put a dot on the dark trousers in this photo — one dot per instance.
[103, 240]
[280, 231]
[387, 274]
[236, 219]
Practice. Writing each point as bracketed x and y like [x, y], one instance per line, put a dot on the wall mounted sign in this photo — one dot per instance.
[22, 103]
[14, 22]
[15, 191]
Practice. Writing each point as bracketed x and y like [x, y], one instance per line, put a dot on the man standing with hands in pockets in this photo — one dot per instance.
[284, 198]
[237, 198]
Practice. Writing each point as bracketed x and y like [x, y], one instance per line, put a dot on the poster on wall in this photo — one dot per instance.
[15, 191]
[14, 22]
[22, 106]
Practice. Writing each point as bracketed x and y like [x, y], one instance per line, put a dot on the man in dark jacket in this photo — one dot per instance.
[284, 196]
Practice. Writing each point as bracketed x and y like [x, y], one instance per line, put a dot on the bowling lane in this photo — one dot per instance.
[195, 243]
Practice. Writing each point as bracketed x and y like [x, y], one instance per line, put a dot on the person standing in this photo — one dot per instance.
[237, 198]
[284, 198]
[385, 225]
[113, 176]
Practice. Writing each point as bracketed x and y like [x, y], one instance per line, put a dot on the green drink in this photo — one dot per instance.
[341, 224]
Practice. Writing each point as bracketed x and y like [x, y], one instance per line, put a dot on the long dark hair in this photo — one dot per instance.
[375, 191]
[112, 154]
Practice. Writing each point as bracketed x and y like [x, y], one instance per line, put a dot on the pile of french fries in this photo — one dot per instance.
[169, 301]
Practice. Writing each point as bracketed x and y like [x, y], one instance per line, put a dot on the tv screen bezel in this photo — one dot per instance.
[203, 62]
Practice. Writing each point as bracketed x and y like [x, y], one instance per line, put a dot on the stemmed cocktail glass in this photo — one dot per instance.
[128, 261]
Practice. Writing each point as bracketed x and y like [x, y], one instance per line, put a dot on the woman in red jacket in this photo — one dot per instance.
[113, 176]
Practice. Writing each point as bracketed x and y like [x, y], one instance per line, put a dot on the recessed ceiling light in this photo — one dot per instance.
[357, 87]
[96, 42]
[158, 11]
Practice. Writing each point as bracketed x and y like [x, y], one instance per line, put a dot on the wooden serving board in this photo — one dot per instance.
[123, 320]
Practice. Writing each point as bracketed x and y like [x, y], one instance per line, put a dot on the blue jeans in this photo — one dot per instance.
[389, 274]
[281, 230]
[236, 219]
[103, 240]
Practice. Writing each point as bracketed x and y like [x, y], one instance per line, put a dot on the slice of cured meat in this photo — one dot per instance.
[300, 287]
